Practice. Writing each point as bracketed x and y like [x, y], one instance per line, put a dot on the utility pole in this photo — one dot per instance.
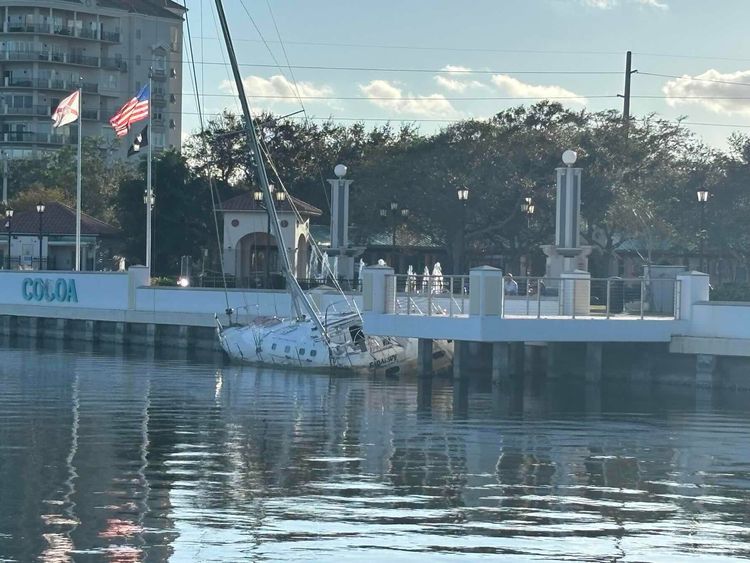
[626, 95]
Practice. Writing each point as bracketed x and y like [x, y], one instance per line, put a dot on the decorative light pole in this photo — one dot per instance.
[279, 196]
[462, 193]
[528, 208]
[703, 195]
[40, 211]
[394, 212]
[258, 198]
[9, 225]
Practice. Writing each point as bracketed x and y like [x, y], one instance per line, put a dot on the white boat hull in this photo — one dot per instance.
[298, 344]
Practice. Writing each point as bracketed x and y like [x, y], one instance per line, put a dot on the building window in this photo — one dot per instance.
[138, 34]
[137, 59]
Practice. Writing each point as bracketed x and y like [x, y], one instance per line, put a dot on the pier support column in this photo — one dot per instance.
[150, 335]
[89, 331]
[119, 334]
[530, 358]
[554, 358]
[517, 357]
[183, 337]
[705, 370]
[459, 353]
[424, 357]
[594, 362]
[33, 327]
[6, 325]
[500, 361]
[61, 326]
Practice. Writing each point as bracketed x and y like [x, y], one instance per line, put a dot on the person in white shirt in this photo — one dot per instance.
[511, 286]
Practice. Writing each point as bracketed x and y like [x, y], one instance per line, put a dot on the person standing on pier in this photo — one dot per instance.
[511, 285]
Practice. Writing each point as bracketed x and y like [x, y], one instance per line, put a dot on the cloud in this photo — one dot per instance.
[516, 88]
[277, 89]
[711, 84]
[456, 79]
[384, 94]
[608, 4]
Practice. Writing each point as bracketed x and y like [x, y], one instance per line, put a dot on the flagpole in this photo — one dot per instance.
[149, 192]
[78, 178]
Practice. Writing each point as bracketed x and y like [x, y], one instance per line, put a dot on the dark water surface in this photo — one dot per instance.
[107, 457]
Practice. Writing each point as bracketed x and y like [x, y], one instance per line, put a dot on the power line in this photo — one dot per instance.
[429, 48]
[691, 78]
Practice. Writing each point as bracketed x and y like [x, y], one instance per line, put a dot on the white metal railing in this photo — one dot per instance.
[540, 297]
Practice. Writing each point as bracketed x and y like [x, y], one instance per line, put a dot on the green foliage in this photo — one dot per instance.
[639, 184]
[181, 217]
[731, 291]
[54, 177]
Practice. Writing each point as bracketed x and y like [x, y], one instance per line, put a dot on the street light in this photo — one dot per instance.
[9, 216]
[394, 212]
[40, 211]
[462, 193]
[703, 195]
[528, 208]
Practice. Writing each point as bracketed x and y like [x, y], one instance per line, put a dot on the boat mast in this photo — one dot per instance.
[297, 294]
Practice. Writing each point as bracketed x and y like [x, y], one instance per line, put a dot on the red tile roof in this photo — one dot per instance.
[246, 202]
[58, 219]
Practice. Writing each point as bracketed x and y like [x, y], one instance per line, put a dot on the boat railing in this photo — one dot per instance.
[541, 297]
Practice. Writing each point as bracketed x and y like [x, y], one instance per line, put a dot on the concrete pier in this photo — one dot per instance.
[424, 357]
[459, 356]
[593, 366]
[500, 361]
[705, 370]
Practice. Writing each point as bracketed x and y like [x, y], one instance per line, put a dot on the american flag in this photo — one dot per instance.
[133, 111]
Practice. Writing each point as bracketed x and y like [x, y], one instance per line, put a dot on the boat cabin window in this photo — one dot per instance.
[273, 347]
[286, 349]
[313, 353]
[358, 337]
[301, 351]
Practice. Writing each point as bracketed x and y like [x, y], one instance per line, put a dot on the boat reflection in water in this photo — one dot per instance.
[123, 458]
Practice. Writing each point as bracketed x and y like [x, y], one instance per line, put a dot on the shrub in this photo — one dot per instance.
[731, 291]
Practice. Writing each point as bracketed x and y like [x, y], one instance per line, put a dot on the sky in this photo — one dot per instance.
[430, 62]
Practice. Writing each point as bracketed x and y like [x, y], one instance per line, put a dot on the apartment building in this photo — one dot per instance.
[108, 46]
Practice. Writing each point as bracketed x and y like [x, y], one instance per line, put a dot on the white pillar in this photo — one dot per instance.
[486, 296]
[693, 288]
[378, 290]
[575, 293]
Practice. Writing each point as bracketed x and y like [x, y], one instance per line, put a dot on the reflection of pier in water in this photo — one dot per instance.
[150, 458]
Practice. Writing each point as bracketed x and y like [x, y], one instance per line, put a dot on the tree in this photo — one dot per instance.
[182, 218]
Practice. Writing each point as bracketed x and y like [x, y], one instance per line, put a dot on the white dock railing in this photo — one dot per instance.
[539, 297]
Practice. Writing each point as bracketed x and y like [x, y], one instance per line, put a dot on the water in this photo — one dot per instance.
[131, 458]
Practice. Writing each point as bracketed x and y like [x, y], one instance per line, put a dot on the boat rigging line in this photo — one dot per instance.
[298, 296]
[215, 198]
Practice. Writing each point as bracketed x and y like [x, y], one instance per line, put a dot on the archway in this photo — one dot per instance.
[258, 259]
[302, 257]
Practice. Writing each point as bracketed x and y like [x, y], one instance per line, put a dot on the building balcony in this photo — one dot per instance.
[49, 84]
[49, 56]
[34, 111]
[109, 63]
[33, 138]
[63, 31]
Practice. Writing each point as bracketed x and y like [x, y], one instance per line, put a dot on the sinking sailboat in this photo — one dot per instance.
[308, 339]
